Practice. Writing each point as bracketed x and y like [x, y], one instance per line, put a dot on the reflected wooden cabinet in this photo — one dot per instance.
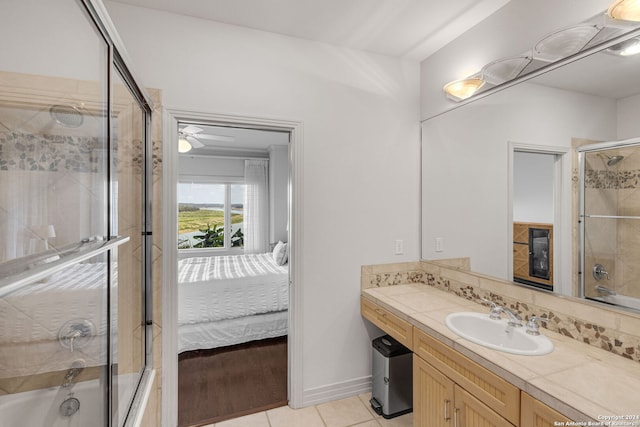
[533, 254]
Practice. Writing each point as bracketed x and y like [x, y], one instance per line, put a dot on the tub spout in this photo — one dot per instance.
[604, 290]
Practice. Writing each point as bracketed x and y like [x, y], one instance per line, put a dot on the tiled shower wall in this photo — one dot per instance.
[613, 190]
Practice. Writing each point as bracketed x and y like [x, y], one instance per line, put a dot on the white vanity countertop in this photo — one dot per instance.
[581, 381]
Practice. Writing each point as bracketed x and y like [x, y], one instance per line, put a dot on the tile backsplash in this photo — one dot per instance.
[613, 330]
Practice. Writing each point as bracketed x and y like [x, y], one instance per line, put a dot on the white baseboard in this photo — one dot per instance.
[315, 396]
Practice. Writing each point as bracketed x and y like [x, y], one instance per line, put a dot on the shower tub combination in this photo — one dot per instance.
[609, 222]
[75, 222]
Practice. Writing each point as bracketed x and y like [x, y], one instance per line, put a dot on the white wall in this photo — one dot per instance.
[465, 153]
[533, 187]
[628, 122]
[57, 40]
[361, 142]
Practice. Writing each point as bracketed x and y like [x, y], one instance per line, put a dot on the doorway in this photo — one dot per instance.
[539, 183]
[233, 272]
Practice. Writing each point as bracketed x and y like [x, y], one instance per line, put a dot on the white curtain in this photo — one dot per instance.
[256, 206]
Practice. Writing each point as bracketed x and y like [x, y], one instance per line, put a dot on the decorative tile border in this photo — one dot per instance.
[53, 153]
[58, 153]
[588, 332]
[604, 179]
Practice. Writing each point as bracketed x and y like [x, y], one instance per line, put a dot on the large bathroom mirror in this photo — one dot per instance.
[470, 158]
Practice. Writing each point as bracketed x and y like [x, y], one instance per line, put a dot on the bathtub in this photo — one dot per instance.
[42, 408]
[620, 301]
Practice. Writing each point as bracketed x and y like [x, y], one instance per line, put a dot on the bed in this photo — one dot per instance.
[227, 300]
[32, 316]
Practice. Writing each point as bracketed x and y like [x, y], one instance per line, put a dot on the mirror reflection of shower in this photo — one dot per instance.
[609, 222]
[613, 160]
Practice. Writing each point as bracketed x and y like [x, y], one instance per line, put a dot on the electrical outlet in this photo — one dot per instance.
[399, 247]
[439, 244]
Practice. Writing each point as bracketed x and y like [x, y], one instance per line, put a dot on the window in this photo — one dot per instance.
[210, 215]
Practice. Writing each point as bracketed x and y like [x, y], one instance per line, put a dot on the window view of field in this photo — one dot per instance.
[201, 224]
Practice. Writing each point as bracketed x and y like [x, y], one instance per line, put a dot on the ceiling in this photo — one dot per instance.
[233, 141]
[411, 29]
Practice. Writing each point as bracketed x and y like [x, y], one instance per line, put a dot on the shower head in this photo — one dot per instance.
[66, 115]
[614, 160]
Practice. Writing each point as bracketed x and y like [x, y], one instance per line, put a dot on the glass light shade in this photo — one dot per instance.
[183, 146]
[563, 43]
[459, 90]
[505, 69]
[625, 10]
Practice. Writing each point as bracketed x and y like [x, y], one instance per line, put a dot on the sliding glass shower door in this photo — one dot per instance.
[610, 222]
[74, 220]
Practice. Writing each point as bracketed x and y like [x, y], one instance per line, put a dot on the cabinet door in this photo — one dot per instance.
[536, 414]
[470, 412]
[496, 393]
[432, 396]
[520, 260]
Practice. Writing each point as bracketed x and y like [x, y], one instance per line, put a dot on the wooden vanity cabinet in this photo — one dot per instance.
[451, 390]
[498, 395]
[438, 401]
[399, 329]
[537, 414]
[480, 398]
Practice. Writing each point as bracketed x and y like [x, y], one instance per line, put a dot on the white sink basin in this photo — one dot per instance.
[497, 334]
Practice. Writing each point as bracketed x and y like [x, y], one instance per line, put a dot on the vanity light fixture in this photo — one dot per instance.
[505, 69]
[183, 145]
[625, 10]
[459, 90]
[566, 42]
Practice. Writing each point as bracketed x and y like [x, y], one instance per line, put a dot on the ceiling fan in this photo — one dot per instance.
[189, 137]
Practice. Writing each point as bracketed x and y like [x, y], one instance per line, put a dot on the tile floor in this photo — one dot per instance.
[350, 412]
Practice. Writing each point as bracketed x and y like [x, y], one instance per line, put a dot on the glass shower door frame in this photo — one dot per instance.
[612, 298]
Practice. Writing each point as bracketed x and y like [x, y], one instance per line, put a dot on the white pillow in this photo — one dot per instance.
[280, 253]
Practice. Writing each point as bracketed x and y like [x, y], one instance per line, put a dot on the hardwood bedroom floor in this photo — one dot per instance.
[218, 384]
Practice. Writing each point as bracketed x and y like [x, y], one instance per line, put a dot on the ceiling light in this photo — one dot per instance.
[459, 90]
[625, 10]
[183, 145]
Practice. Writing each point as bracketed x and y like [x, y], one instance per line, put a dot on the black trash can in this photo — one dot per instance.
[392, 378]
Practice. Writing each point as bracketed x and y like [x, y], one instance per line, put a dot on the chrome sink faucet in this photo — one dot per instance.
[514, 319]
[497, 310]
[532, 325]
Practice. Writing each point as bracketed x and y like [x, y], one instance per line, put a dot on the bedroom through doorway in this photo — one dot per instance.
[233, 271]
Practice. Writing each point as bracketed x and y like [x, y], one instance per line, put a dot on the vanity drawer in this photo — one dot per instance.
[493, 391]
[399, 329]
